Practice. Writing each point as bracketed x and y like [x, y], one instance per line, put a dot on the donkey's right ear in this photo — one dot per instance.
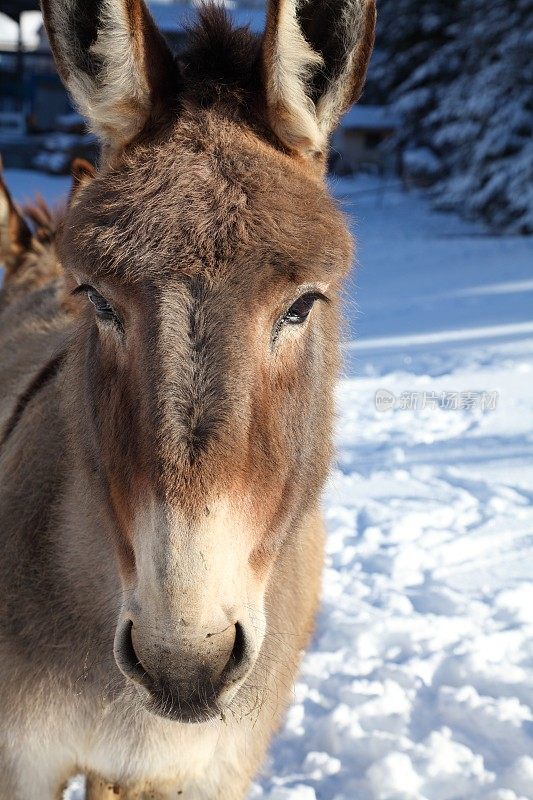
[315, 57]
[114, 62]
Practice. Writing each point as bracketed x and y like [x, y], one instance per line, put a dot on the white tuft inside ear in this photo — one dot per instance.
[315, 58]
[334, 101]
[124, 94]
[292, 60]
[113, 92]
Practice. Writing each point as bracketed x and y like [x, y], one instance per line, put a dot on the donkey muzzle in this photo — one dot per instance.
[187, 679]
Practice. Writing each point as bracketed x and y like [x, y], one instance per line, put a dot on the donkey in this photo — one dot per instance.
[27, 256]
[28, 236]
[166, 431]
[31, 284]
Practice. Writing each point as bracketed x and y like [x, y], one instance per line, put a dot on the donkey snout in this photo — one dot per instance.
[189, 680]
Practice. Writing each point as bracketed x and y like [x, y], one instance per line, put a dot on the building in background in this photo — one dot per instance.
[363, 141]
[31, 95]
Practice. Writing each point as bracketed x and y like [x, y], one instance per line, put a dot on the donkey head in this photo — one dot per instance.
[207, 258]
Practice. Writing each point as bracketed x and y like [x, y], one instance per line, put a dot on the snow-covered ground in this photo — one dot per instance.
[419, 682]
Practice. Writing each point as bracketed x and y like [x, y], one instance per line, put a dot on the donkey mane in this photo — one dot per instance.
[29, 251]
[42, 379]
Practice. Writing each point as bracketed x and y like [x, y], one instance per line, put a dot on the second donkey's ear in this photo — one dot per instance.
[15, 235]
[113, 61]
[315, 58]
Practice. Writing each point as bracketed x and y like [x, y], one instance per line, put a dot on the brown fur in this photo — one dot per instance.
[161, 473]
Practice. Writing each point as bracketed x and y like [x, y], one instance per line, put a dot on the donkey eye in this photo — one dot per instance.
[301, 308]
[104, 310]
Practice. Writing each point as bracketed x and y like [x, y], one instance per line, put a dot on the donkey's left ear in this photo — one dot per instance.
[83, 173]
[315, 58]
[113, 60]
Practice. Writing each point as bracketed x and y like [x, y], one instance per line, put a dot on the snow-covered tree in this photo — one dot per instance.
[461, 73]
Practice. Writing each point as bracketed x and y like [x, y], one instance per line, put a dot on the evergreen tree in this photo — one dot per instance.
[461, 73]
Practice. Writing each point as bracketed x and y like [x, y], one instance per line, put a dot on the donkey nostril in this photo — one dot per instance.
[127, 645]
[126, 657]
[238, 654]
